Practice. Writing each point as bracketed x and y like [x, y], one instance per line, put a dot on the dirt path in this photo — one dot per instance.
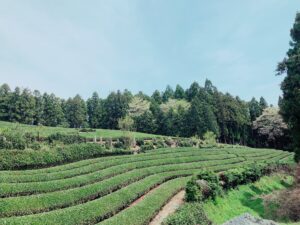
[142, 197]
[169, 208]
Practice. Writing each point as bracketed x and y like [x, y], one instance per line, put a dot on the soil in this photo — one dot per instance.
[169, 208]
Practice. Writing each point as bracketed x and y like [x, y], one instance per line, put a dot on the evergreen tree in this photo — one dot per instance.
[5, 94]
[192, 91]
[202, 118]
[156, 97]
[76, 113]
[53, 113]
[208, 86]
[94, 110]
[26, 107]
[39, 108]
[290, 104]
[179, 92]
[263, 104]
[254, 109]
[145, 123]
[14, 112]
[168, 93]
[115, 107]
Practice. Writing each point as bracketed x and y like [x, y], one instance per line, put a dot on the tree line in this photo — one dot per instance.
[172, 112]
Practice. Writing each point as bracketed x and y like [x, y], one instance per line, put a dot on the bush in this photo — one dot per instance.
[147, 146]
[193, 192]
[205, 185]
[188, 214]
[14, 159]
[213, 183]
[65, 138]
[209, 140]
[87, 130]
[140, 142]
[159, 143]
[185, 143]
[14, 139]
[234, 177]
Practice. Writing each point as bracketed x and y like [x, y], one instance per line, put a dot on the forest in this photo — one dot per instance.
[179, 112]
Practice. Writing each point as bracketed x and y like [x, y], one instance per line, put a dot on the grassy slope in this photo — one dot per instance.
[45, 131]
[245, 199]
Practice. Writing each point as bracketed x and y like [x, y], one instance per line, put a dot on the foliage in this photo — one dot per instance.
[14, 159]
[290, 103]
[248, 198]
[270, 130]
[193, 192]
[66, 139]
[203, 186]
[138, 106]
[126, 123]
[188, 214]
[94, 110]
[147, 146]
[183, 113]
[174, 104]
[209, 139]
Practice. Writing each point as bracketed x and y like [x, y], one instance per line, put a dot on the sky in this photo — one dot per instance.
[70, 47]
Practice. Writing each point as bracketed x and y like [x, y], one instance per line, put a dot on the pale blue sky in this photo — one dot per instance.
[70, 46]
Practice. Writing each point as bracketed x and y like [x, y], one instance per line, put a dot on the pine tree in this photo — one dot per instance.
[192, 91]
[115, 107]
[156, 97]
[254, 109]
[168, 93]
[39, 108]
[94, 110]
[179, 92]
[76, 113]
[290, 104]
[263, 103]
[5, 94]
[145, 123]
[202, 118]
[53, 114]
[26, 107]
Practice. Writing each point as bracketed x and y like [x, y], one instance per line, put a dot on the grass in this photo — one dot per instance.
[245, 199]
[99, 190]
[45, 131]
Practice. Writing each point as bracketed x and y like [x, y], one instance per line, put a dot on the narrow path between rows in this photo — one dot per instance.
[169, 208]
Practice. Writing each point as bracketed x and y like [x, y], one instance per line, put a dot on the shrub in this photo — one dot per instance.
[14, 159]
[193, 192]
[14, 139]
[205, 185]
[65, 138]
[213, 183]
[159, 143]
[87, 130]
[185, 143]
[209, 140]
[188, 214]
[147, 146]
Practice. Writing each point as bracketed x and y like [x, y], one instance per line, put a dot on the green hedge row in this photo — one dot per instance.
[13, 189]
[110, 162]
[26, 159]
[23, 205]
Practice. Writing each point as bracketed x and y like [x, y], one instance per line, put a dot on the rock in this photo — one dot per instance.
[247, 219]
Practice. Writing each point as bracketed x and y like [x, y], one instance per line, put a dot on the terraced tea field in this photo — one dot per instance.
[45, 131]
[103, 190]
